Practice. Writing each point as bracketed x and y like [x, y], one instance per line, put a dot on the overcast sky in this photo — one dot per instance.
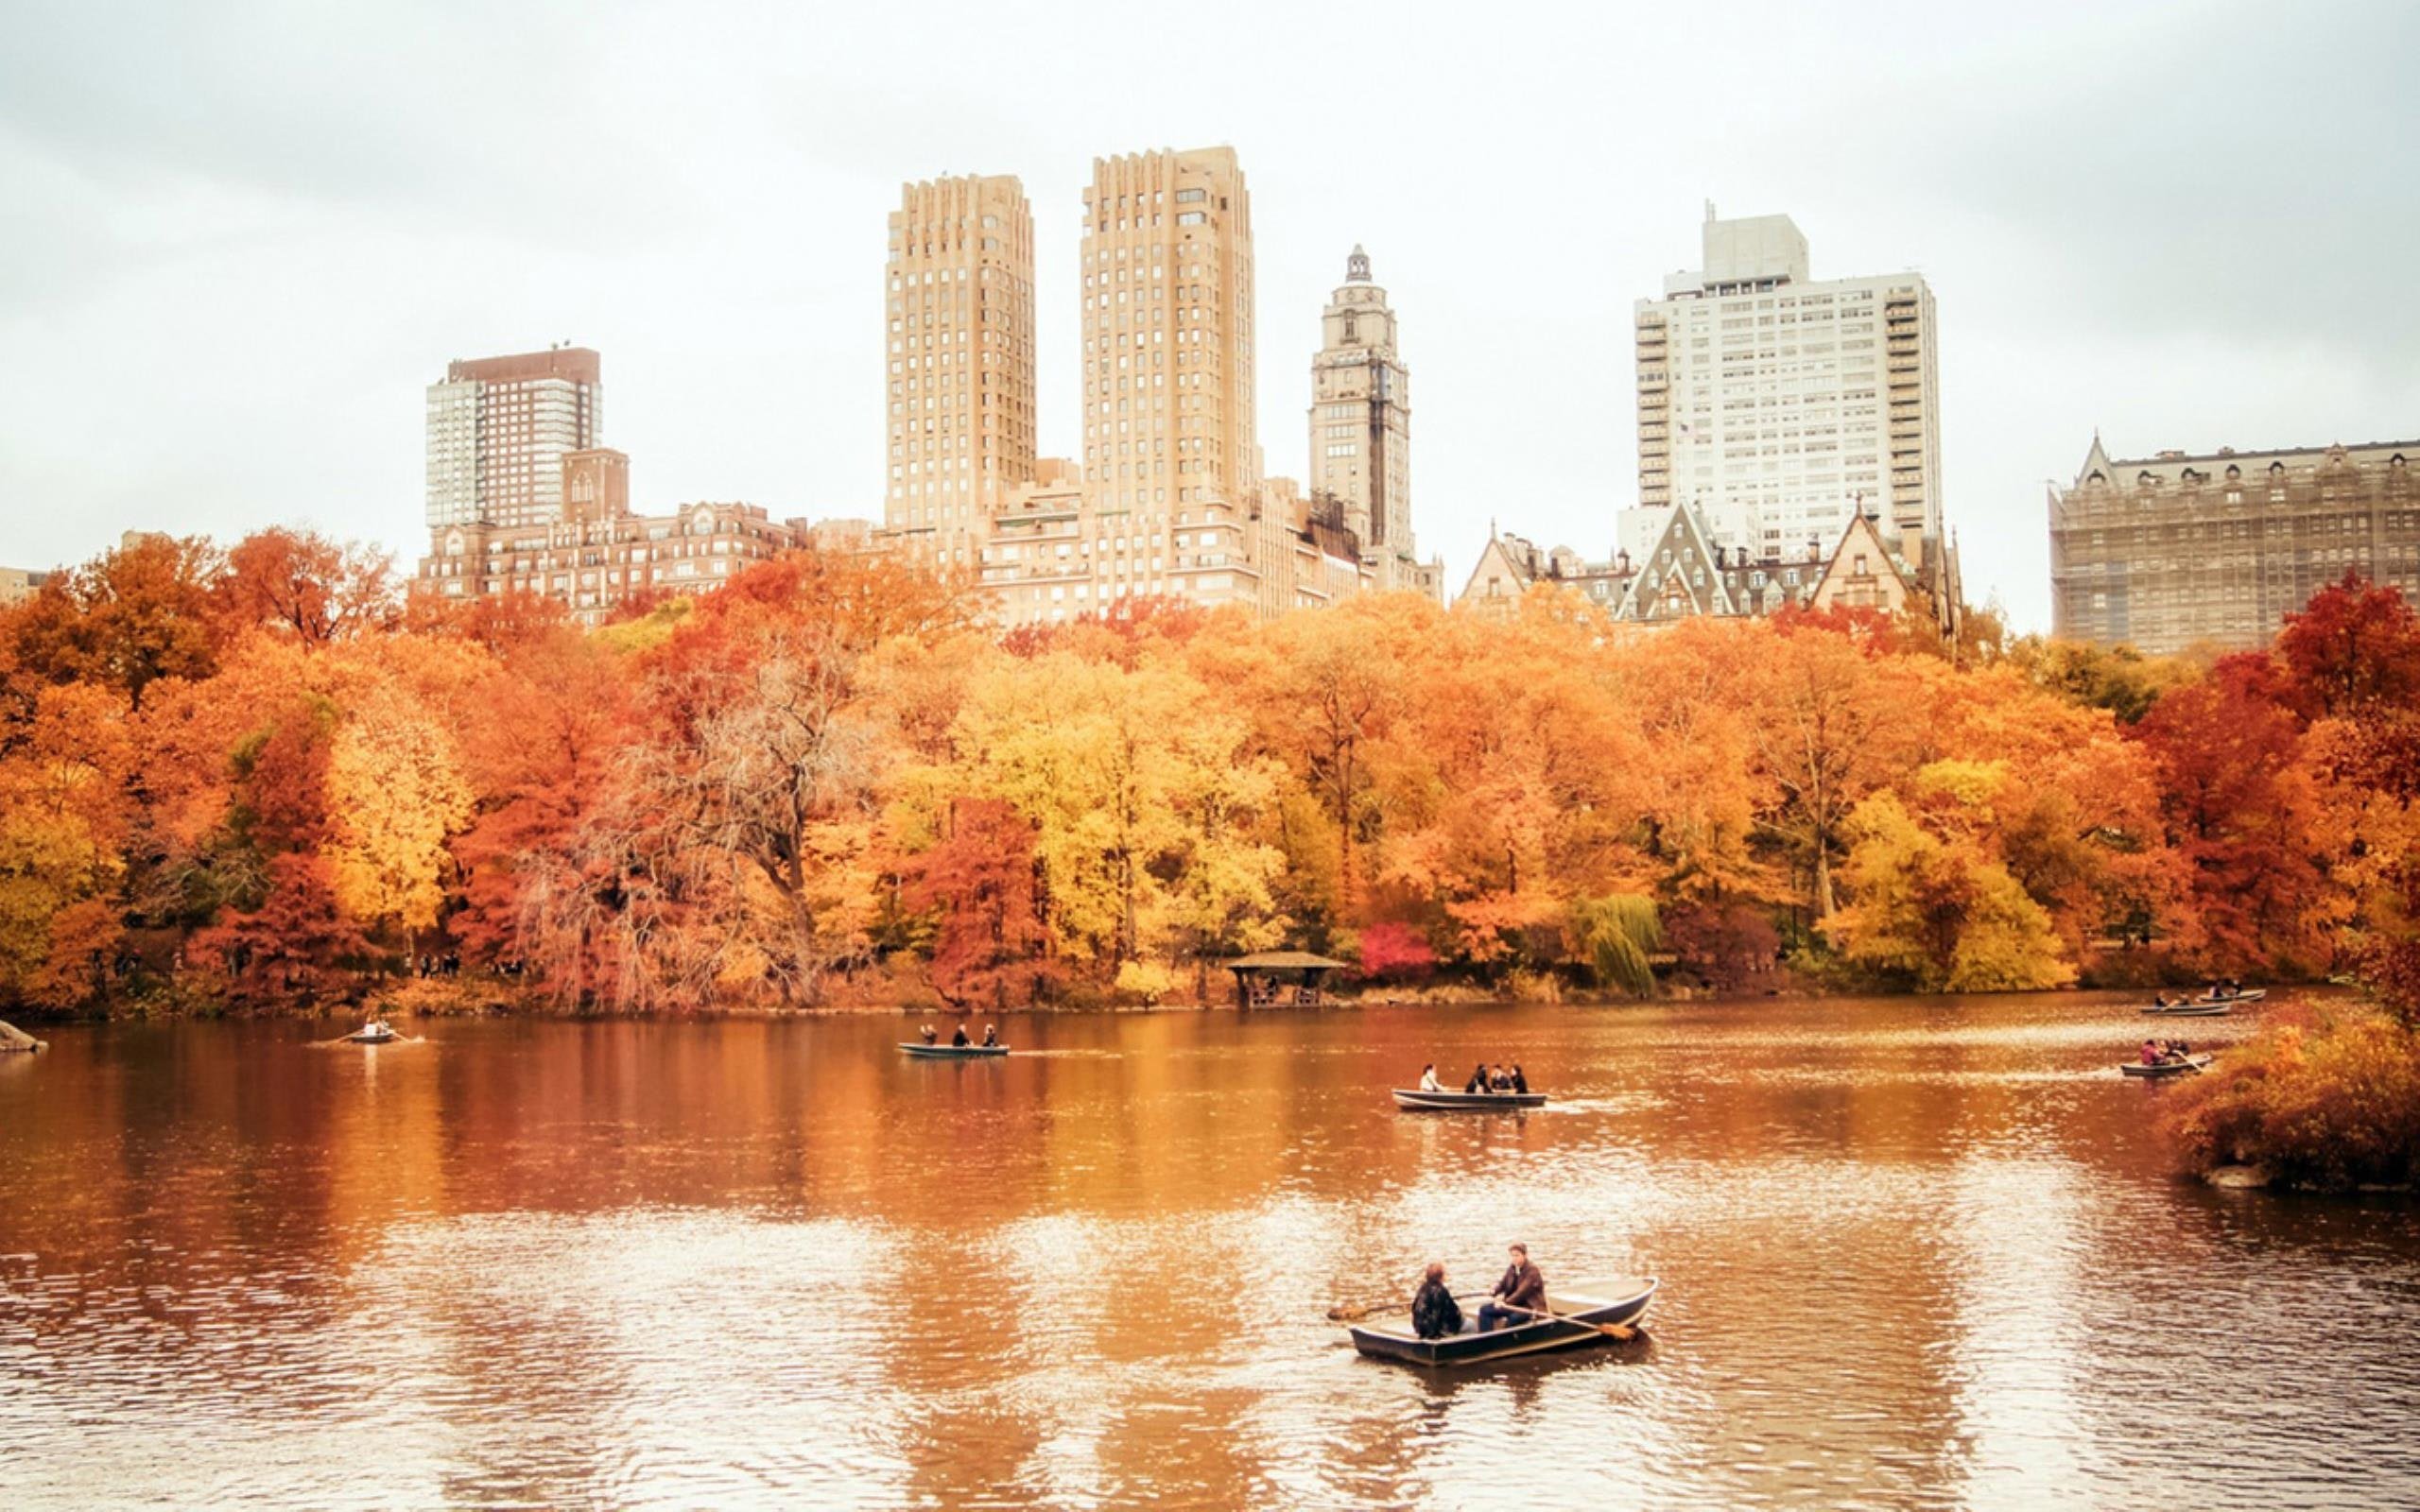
[238, 240]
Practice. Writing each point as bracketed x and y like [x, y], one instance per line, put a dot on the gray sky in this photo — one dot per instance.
[238, 240]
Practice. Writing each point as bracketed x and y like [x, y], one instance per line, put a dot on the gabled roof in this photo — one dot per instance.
[1682, 557]
[2095, 460]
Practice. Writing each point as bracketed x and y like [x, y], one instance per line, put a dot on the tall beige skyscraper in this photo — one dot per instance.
[1779, 405]
[959, 306]
[498, 430]
[1361, 424]
[1168, 330]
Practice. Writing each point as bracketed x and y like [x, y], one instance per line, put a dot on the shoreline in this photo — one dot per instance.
[487, 999]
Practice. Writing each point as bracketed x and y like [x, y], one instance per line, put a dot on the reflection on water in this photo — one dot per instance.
[1913, 1254]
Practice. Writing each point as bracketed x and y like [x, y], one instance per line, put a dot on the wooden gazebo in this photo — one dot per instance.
[1281, 979]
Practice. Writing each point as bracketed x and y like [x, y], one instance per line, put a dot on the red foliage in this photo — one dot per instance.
[993, 947]
[2355, 645]
[1117, 633]
[2238, 818]
[291, 948]
[546, 776]
[304, 584]
[1727, 946]
[1395, 952]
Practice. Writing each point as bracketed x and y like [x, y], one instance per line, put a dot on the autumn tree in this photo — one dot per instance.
[124, 620]
[2237, 803]
[763, 762]
[992, 948]
[64, 820]
[299, 583]
[1933, 902]
[2355, 645]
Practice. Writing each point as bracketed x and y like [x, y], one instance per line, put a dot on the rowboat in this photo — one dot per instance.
[1622, 1301]
[2205, 1006]
[373, 1034]
[924, 1052]
[1413, 1099]
[2167, 1068]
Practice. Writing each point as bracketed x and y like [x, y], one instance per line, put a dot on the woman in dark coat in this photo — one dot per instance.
[1434, 1312]
[1478, 1078]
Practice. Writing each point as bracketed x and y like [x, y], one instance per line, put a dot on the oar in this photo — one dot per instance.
[1393, 1304]
[1611, 1330]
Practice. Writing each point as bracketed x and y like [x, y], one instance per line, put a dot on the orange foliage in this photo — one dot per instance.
[831, 761]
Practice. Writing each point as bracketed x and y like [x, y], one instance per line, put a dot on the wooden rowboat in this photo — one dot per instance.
[2207, 1007]
[925, 1052]
[373, 1034]
[2167, 1068]
[1623, 1301]
[1413, 1100]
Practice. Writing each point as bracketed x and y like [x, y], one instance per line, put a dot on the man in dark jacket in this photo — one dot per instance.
[1434, 1312]
[1524, 1290]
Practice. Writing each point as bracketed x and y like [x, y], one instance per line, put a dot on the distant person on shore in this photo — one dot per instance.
[1428, 1081]
[1478, 1078]
[959, 1040]
[1523, 1288]
[1434, 1312]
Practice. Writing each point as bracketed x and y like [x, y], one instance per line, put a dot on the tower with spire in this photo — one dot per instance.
[1360, 428]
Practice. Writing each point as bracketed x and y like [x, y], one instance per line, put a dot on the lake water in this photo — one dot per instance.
[1915, 1253]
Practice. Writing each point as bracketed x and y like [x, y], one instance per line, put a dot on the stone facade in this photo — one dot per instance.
[1360, 428]
[960, 405]
[17, 584]
[598, 555]
[2171, 551]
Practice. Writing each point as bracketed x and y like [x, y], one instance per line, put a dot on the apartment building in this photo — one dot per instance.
[499, 429]
[1781, 407]
[2176, 549]
[961, 407]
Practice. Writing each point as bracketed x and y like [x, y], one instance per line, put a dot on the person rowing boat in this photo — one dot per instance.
[1522, 1289]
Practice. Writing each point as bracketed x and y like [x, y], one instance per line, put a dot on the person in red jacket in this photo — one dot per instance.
[1522, 1289]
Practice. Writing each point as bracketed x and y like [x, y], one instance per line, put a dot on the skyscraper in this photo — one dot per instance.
[1779, 405]
[1167, 333]
[961, 361]
[499, 429]
[1360, 453]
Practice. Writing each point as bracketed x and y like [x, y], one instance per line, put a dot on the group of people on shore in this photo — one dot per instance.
[1519, 1296]
[959, 1040]
[2165, 1052]
[1485, 1078]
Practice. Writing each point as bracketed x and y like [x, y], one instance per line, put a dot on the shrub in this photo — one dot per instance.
[2325, 1101]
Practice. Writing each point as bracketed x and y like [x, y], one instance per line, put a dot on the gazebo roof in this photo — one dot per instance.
[1284, 961]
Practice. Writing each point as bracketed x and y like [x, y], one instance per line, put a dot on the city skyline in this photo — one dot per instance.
[293, 272]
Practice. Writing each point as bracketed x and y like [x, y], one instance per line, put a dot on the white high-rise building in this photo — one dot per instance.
[498, 430]
[1779, 405]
